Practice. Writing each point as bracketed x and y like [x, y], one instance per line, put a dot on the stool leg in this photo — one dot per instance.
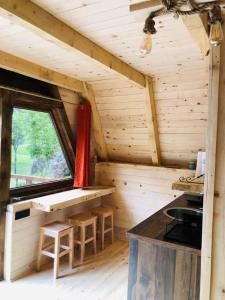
[103, 231]
[112, 231]
[71, 245]
[77, 235]
[40, 246]
[56, 254]
[82, 245]
[94, 234]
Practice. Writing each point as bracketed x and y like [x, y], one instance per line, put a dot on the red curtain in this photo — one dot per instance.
[82, 164]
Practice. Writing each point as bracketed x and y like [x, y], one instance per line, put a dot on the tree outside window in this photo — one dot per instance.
[37, 154]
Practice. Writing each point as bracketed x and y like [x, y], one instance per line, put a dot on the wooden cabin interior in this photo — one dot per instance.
[112, 149]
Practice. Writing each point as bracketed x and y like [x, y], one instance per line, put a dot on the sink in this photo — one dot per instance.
[178, 213]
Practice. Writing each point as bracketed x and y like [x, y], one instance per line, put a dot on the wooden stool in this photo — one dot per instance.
[102, 213]
[81, 221]
[56, 230]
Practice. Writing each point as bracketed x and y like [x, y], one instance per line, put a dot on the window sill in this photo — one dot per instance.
[61, 200]
[39, 190]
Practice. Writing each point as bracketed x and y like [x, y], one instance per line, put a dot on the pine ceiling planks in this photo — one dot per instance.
[47, 26]
[24, 67]
[23, 43]
[180, 76]
[119, 31]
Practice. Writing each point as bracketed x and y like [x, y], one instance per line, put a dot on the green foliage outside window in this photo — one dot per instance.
[36, 152]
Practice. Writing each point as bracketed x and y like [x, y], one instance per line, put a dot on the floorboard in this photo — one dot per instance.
[103, 276]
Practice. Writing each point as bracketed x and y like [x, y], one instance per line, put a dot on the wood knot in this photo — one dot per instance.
[216, 194]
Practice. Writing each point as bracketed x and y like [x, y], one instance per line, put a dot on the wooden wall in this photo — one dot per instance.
[182, 113]
[122, 110]
[140, 190]
[181, 106]
[70, 100]
[22, 236]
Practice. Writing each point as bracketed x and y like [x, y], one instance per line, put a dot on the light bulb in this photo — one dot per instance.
[216, 34]
[146, 44]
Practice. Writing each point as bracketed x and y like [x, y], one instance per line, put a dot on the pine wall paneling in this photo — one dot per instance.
[22, 236]
[140, 190]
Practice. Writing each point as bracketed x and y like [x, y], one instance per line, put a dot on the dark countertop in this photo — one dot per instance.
[153, 228]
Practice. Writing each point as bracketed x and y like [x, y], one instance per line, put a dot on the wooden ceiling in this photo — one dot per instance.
[178, 68]
[116, 29]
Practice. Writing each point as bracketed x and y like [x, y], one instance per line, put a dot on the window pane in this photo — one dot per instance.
[37, 155]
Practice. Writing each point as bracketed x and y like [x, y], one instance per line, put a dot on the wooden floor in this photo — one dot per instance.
[103, 276]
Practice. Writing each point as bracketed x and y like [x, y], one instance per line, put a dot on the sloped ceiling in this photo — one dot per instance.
[179, 71]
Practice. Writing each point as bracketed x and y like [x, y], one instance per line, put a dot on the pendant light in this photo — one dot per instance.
[216, 34]
[146, 44]
[149, 29]
[216, 30]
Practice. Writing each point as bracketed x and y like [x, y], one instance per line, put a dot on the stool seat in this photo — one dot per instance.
[81, 218]
[103, 211]
[56, 230]
[82, 221]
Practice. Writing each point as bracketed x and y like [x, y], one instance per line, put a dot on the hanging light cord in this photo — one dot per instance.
[175, 7]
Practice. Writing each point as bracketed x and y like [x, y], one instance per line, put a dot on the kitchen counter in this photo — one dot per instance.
[160, 269]
[154, 227]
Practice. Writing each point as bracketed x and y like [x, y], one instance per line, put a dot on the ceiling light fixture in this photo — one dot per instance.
[215, 21]
[184, 8]
[149, 29]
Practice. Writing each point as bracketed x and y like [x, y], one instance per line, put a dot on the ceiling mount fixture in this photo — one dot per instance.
[185, 8]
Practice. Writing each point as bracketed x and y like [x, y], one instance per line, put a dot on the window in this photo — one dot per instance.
[36, 154]
[36, 143]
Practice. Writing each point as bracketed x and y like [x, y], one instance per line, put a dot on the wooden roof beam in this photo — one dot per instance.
[151, 117]
[24, 67]
[33, 17]
[197, 26]
[145, 4]
[100, 144]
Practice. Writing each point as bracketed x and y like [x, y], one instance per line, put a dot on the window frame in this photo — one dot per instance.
[55, 108]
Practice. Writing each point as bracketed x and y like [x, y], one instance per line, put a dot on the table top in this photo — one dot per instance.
[62, 200]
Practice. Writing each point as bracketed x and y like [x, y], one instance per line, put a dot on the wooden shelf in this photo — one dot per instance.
[65, 199]
[188, 187]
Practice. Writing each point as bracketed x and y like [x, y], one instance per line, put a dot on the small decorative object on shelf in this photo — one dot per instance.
[190, 184]
[191, 179]
[192, 165]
